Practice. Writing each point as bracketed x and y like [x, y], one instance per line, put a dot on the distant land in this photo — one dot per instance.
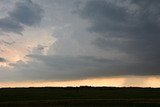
[83, 96]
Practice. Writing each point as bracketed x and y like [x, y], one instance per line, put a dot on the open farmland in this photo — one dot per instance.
[79, 96]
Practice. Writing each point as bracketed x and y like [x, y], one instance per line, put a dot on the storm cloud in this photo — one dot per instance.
[66, 68]
[130, 26]
[25, 13]
[93, 39]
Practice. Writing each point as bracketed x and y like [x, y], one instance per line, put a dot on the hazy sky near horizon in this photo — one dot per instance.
[107, 41]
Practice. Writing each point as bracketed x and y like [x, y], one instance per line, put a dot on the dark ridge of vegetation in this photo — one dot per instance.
[79, 96]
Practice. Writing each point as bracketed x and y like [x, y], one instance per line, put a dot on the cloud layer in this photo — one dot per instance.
[2, 59]
[25, 13]
[132, 27]
[94, 38]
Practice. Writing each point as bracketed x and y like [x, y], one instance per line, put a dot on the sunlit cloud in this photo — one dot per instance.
[20, 46]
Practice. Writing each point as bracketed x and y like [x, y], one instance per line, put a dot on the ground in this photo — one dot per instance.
[79, 96]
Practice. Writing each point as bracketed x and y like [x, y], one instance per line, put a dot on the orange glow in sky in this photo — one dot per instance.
[112, 81]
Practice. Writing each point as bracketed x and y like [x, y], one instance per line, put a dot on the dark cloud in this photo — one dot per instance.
[2, 59]
[25, 13]
[9, 25]
[133, 29]
[60, 68]
[64, 68]
[40, 49]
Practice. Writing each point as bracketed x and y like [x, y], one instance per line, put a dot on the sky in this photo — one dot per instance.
[79, 42]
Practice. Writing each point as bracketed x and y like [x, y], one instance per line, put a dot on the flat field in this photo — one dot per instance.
[80, 97]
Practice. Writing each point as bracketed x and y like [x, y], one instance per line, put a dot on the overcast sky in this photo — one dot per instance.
[80, 40]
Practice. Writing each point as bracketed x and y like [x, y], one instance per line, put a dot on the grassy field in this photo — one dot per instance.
[79, 97]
